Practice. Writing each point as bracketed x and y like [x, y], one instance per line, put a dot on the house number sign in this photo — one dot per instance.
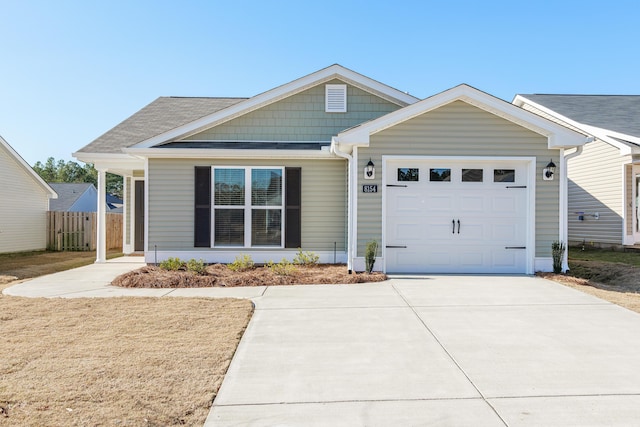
[369, 188]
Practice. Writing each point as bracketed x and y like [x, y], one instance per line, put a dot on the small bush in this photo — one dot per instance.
[306, 258]
[172, 264]
[243, 262]
[370, 255]
[196, 266]
[283, 268]
[557, 252]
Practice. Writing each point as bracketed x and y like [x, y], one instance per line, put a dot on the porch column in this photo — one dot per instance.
[101, 241]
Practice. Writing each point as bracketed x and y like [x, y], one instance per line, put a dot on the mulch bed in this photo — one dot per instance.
[219, 275]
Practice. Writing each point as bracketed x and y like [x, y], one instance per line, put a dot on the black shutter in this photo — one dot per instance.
[292, 202]
[202, 220]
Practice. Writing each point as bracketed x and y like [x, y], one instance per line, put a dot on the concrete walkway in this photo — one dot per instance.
[437, 350]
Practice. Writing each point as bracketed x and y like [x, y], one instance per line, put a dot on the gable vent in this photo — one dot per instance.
[336, 98]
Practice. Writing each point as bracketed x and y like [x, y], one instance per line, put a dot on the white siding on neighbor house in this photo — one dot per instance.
[171, 202]
[459, 129]
[596, 180]
[23, 210]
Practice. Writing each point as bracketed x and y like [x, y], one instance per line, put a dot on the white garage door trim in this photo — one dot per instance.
[529, 165]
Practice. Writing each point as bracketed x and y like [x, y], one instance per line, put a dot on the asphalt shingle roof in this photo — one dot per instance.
[68, 193]
[162, 115]
[619, 113]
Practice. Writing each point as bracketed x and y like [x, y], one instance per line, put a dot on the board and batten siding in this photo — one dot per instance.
[23, 212]
[300, 117]
[171, 202]
[596, 182]
[459, 129]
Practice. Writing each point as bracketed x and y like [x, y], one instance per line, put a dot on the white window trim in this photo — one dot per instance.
[247, 207]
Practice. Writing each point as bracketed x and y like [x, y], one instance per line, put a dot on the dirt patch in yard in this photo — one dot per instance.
[222, 276]
[115, 361]
[614, 282]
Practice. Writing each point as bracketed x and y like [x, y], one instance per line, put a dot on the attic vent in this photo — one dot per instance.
[336, 98]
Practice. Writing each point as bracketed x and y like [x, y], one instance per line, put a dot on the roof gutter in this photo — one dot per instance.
[350, 180]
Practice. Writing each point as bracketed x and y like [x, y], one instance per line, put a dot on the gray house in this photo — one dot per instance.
[456, 183]
[604, 178]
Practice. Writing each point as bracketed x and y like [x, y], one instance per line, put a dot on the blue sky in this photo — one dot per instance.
[72, 70]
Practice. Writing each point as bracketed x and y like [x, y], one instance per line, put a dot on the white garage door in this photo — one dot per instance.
[456, 217]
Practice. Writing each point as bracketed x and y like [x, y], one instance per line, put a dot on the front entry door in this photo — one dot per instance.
[138, 224]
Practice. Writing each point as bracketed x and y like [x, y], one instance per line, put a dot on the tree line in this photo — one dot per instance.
[72, 172]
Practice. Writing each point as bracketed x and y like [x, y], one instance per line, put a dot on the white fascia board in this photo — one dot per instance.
[276, 94]
[558, 136]
[600, 133]
[18, 158]
[204, 153]
[111, 162]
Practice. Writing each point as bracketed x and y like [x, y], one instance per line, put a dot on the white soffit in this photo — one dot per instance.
[325, 75]
[558, 135]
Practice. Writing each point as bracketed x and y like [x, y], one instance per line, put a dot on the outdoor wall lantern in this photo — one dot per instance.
[549, 171]
[370, 170]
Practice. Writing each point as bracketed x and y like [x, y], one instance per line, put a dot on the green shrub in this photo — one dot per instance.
[283, 268]
[196, 266]
[243, 262]
[306, 258]
[557, 252]
[172, 264]
[370, 255]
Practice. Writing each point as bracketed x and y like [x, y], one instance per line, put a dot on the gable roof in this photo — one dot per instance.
[23, 164]
[558, 136]
[160, 116]
[619, 113]
[68, 194]
[251, 104]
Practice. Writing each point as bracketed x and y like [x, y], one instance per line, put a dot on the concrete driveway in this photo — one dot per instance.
[436, 350]
[440, 350]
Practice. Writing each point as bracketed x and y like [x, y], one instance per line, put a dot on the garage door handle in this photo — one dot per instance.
[395, 247]
[458, 226]
[453, 225]
[515, 247]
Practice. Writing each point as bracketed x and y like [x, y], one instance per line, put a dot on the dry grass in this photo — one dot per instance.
[221, 275]
[24, 265]
[115, 361]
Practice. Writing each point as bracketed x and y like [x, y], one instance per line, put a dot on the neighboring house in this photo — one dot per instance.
[81, 197]
[604, 179]
[25, 198]
[74, 197]
[450, 184]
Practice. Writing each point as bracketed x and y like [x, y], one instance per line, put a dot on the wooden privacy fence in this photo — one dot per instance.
[76, 231]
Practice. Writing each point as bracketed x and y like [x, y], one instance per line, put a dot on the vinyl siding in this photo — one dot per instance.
[596, 185]
[24, 207]
[300, 117]
[459, 129]
[171, 201]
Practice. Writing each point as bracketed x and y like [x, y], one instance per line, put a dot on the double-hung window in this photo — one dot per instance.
[248, 206]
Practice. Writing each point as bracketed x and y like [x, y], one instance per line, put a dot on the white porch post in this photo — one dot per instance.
[101, 241]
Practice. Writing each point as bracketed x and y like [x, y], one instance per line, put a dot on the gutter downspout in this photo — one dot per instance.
[335, 150]
[564, 210]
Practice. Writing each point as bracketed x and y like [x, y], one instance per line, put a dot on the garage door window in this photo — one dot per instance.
[504, 175]
[440, 175]
[408, 174]
[471, 175]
